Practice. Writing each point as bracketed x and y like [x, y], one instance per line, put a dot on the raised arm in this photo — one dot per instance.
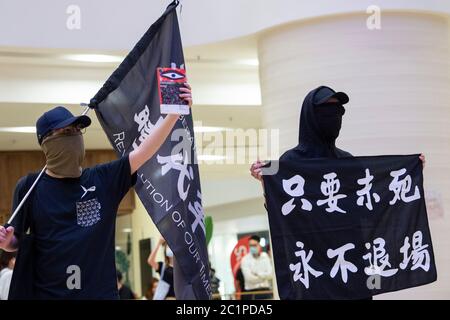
[152, 257]
[256, 172]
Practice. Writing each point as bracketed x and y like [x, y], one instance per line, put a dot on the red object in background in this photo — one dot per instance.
[239, 251]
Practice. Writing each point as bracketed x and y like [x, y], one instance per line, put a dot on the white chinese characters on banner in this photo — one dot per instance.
[341, 264]
[330, 188]
[177, 162]
[302, 269]
[197, 211]
[145, 126]
[378, 259]
[185, 176]
[295, 188]
[364, 195]
[419, 253]
[401, 187]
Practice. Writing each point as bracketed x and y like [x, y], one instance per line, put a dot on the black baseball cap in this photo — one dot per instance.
[324, 93]
[57, 118]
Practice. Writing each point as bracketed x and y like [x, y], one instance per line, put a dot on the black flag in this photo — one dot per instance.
[349, 228]
[128, 107]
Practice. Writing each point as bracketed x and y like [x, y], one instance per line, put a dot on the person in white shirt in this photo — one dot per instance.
[256, 267]
[7, 260]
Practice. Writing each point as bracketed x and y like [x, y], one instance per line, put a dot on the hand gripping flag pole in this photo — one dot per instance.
[86, 110]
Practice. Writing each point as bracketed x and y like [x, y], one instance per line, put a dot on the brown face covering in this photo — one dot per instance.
[64, 154]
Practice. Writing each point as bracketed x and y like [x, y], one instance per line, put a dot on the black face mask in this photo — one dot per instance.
[329, 119]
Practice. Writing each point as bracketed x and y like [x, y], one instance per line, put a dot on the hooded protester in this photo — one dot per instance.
[71, 212]
[320, 125]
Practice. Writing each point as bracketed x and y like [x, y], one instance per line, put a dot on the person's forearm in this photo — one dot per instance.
[152, 143]
[266, 272]
[249, 275]
[152, 258]
[266, 275]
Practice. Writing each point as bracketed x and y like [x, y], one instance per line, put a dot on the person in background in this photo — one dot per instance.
[257, 270]
[269, 254]
[215, 284]
[165, 288]
[151, 288]
[7, 261]
[239, 284]
[125, 293]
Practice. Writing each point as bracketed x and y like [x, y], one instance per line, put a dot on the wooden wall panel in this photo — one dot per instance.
[15, 164]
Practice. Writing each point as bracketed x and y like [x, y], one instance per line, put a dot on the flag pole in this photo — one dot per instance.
[86, 110]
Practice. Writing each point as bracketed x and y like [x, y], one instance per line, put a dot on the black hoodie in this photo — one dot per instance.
[312, 142]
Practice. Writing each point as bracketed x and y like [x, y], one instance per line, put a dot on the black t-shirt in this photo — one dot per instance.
[167, 277]
[73, 222]
[240, 279]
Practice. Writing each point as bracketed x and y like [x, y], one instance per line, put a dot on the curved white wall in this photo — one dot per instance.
[398, 81]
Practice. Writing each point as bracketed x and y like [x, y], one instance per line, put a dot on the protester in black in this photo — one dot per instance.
[320, 125]
[73, 210]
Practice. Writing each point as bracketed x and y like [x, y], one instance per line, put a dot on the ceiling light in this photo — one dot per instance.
[249, 62]
[96, 58]
[210, 157]
[18, 129]
[205, 129]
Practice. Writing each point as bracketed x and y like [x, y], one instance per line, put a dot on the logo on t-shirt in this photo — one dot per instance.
[86, 190]
[88, 212]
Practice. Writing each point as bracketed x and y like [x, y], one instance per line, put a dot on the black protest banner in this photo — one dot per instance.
[128, 108]
[349, 228]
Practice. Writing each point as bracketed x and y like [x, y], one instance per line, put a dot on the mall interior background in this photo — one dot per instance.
[250, 65]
